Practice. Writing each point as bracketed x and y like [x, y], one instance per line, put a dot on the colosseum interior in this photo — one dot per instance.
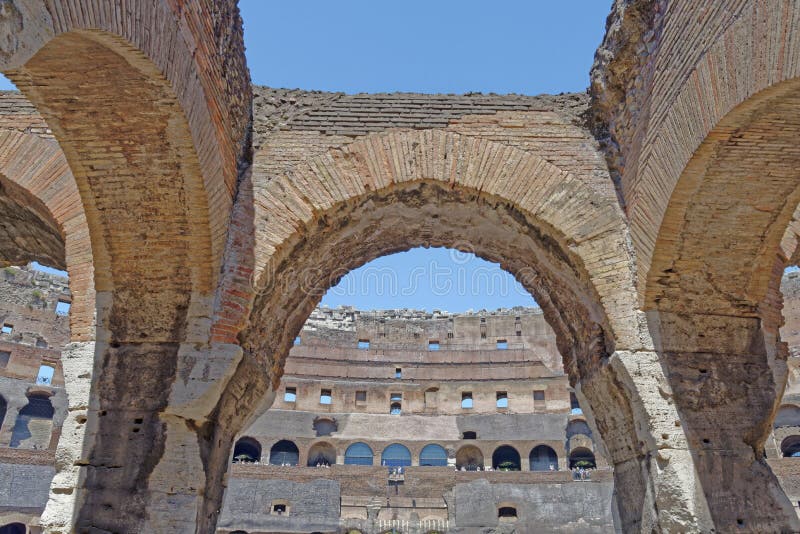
[184, 379]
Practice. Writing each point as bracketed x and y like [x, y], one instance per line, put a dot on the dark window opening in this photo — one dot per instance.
[284, 453]
[538, 395]
[507, 512]
[4, 357]
[398, 372]
[13, 528]
[543, 458]
[247, 450]
[505, 458]
[395, 408]
[582, 458]
[279, 508]
[469, 434]
[790, 447]
[361, 396]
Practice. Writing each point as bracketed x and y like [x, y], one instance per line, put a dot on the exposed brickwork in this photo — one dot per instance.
[655, 245]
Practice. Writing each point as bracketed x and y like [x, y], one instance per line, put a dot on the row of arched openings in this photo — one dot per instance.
[468, 457]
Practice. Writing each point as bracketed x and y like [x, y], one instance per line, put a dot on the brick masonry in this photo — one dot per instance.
[652, 223]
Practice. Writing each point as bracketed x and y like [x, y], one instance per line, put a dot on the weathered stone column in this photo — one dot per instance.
[655, 480]
[77, 362]
[726, 375]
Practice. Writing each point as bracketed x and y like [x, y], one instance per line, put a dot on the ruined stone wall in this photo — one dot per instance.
[577, 508]
[311, 506]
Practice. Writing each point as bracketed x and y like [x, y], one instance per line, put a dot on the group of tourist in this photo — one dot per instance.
[580, 473]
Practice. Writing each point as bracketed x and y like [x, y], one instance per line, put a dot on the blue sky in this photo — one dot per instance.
[444, 46]
[428, 46]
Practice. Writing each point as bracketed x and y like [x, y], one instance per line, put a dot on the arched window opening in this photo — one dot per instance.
[247, 450]
[469, 458]
[284, 452]
[324, 426]
[582, 458]
[788, 415]
[13, 528]
[543, 458]
[433, 455]
[790, 447]
[505, 458]
[395, 408]
[507, 513]
[358, 454]
[396, 455]
[321, 455]
[34, 425]
[466, 400]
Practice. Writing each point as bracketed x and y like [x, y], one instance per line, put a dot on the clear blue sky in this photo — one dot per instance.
[428, 46]
[431, 46]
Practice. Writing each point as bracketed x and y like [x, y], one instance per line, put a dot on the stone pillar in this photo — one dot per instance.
[77, 361]
[633, 410]
[727, 375]
[524, 462]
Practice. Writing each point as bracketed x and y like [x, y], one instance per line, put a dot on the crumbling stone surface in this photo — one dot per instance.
[666, 227]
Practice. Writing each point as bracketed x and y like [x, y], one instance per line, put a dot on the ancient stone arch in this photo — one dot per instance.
[156, 193]
[698, 124]
[708, 172]
[338, 208]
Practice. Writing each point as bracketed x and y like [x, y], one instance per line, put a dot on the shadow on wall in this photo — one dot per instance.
[34, 424]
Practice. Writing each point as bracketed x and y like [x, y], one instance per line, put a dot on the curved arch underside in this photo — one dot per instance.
[130, 150]
[730, 211]
[44, 219]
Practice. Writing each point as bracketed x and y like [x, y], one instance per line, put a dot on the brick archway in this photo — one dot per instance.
[704, 142]
[387, 192]
[35, 176]
[156, 138]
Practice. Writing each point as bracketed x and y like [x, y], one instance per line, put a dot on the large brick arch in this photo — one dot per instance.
[155, 137]
[35, 175]
[386, 192]
[709, 176]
